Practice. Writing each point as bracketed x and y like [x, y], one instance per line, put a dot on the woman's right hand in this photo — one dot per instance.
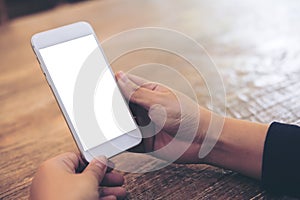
[162, 112]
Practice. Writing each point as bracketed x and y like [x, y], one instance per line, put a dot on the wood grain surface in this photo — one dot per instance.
[253, 43]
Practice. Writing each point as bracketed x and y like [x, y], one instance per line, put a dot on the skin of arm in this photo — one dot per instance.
[239, 147]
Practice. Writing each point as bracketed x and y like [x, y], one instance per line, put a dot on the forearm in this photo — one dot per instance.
[240, 147]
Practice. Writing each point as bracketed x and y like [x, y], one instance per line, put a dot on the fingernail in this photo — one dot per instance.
[123, 76]
[100, 161]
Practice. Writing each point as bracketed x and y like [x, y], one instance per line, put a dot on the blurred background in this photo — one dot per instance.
[253, 43]
[10, 9]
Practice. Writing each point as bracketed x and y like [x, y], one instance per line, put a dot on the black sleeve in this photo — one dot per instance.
[281, 159]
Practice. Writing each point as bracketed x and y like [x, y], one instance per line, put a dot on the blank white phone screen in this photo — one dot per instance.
[63, 62]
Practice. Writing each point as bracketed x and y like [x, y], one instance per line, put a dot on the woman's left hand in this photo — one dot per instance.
[57, 179]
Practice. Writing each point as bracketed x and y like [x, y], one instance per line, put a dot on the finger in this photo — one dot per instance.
[83, 164]
[147, 84]
[142, 82]
[137, 80]
[112, 179]
[68, 161]
[135, 93]
[96, 168]
[110, 197]
[149, 144]
[119, 192]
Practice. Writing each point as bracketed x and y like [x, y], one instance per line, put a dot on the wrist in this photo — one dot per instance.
[212, 135]
[209, 133]
[205, 118]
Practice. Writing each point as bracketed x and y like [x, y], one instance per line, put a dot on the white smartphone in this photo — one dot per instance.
[84, 86]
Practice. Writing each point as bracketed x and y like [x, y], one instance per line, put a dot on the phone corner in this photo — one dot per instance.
[85, 23]
[33, 39]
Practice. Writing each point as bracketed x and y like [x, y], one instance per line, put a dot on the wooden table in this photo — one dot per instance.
[255, 45]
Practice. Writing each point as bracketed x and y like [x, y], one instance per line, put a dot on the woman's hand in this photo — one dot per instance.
[164, 113]
[57, 179]
[239, 146]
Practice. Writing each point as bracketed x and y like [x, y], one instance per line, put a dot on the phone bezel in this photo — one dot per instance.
[64, 34]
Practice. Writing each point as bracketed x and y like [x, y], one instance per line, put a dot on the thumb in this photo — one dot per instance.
[96, 168]
[136, 93]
